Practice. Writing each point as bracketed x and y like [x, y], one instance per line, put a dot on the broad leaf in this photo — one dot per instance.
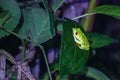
[94, 73]
[72, 58]
[57, 4]
[51, 16]
[25, 30]
[36, 25]
[3, 17]
[110, 10]
[13, 8]
[99, 40]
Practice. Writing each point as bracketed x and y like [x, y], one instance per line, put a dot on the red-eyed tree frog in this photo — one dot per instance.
[80, 39]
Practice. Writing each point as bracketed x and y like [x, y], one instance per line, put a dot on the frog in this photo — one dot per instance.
[80, 39]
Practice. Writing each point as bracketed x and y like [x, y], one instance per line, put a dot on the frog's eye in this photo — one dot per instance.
[79, 45]
[76, 33]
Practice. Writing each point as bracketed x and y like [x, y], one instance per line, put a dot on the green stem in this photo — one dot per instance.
[13, 34]
[88, 22]
[23, 50]
[21, 38]
[84, 15]
[48, 68]
[33, 43]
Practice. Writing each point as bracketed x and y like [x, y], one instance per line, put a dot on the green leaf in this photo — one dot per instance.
[25, 30]
[57, 4]
[51, 16]
[64, 77]
[99, 40]
[3, 17]
[13, 7]
[94, 73]
[110, 10]
[72, 58]
[36, 25]
[55, 66]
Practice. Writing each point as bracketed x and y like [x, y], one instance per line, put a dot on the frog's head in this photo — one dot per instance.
[80, 39]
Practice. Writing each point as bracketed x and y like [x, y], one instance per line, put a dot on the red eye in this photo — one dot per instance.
[76, 33]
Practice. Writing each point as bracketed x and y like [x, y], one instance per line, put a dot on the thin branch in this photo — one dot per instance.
[23, 50]
[8, 31]
[48, 68]
[8, 56]
[84, 15]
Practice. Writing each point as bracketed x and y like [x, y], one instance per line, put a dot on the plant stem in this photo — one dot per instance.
[48, 68]
[84, 15]
[33, 43]
[13, 34]
[88, 22]
[23, 50]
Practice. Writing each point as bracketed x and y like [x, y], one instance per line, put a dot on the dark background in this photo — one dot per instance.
[107, 59]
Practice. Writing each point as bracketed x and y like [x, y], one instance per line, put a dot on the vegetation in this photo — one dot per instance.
[40, 25]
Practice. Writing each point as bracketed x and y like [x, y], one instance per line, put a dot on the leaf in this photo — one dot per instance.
[57, 4]
[25, 31]
[94, 73]
[3, 17]
[99, 40]
[72, 58]
[55, 66]
[51, 16]
[13, 8]
[110, 10]
[36, 25]
[63, 77]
